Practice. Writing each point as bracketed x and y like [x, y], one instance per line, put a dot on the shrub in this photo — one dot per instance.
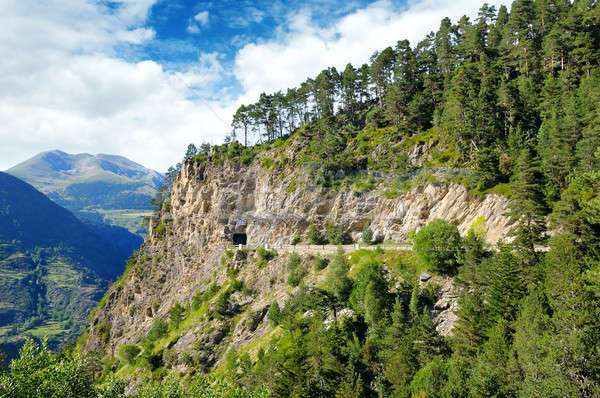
[297, 271]
[160, 230]
[265, 254]
[236, 285]
[367, 234]
[296, 239]
[320, 263]
[176, 315]
[159, 329]
[296, 276]
[294, 261]
[129, 352]
[222, 304]
[274, 313]
[103, 330]
[267, 163]
[314, 236]
[335, 234]
[439, 245]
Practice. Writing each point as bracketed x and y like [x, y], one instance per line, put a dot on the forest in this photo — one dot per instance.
[513, 96]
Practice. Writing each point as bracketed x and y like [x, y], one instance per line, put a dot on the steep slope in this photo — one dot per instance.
[100, 187]
[53, 268]
[185, 258]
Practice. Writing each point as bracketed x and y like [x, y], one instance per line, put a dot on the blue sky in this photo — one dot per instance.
[144, 78]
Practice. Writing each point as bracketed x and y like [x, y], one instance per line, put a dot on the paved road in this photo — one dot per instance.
[326, 249]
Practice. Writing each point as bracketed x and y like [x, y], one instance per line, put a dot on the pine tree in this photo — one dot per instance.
[470, 328]
[527, 207]
[337, 277]
[506, 286]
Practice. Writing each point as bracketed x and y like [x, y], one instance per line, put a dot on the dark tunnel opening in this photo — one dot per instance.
[240, 239]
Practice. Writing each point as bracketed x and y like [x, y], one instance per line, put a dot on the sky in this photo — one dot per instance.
[144, 78]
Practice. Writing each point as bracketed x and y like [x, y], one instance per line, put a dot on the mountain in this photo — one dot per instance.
[101, 188]
[53, 267]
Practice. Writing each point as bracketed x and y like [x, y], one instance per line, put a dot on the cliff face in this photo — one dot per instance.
[213, 205]
[209, 206]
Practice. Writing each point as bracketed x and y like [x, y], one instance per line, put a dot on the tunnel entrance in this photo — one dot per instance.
[240, 239]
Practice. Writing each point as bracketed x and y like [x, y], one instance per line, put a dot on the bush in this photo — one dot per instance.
[265, 254]
[222, 304]
[367, 234]
[103, 330]
[129, 352]
[294, 261]
[176, 315]
[274, 313]
[314, 236]
[320, 263]
[297, 271]
[296, 239]
[159, 329]
[236, 285]
[439, 246]
[335, 234]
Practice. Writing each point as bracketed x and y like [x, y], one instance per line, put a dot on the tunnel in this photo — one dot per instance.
[240, 239]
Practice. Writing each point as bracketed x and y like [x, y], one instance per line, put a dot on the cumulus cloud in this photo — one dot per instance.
[64, 86]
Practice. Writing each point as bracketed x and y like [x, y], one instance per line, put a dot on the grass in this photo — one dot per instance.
[501, 189]
[403, 263]
[63, 275]
[49, 328]
[131, 219]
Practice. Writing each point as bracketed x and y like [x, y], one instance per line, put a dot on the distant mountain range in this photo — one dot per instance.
[100, 188]
[53, 267]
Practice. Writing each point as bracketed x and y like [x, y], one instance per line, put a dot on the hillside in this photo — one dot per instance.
[53, 268]
[185, 256]
[100, 188]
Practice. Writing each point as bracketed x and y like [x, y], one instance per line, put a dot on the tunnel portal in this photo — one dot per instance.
[240, 239]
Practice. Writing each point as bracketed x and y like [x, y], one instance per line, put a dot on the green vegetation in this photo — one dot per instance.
[367, 234]
[296, 269]
[314, 236]
[274, 312]
[439, 246]
[129, 352]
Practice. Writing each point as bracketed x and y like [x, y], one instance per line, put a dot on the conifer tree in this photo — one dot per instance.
[506, 286]
[527, 207]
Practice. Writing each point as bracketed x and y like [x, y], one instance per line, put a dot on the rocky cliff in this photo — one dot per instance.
[213, 205]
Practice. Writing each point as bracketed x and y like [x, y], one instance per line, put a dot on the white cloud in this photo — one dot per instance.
[252, 15]
[63, 86]
[202, 18]
[199, 20]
